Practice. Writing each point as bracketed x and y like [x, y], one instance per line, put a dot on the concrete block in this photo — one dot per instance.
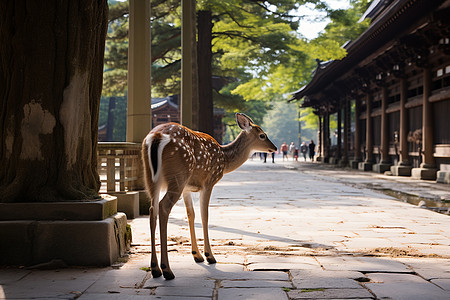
[128, 203]
[381, 168]
[365, 166]
[401, 170]
[87, 243]
[354, 164]
[333, 161]
[424, 173]
[255, 293]
[49, 211]
[443, 177]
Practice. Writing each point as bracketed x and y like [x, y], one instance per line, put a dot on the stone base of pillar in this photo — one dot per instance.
[443, 177]
[343, 163]
[400, 170]
[76, 233]
[128, 203]
[381, 168]
[333, 160]
[354, 164]
[365, 166]
[424, 173]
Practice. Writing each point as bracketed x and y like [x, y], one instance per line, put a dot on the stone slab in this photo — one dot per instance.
[128, 203]
[252, 294]
[329, 294]
[72, 211]
[84, 243]
[311, 279]
[443, 283]
[404, 287]
[381, 168]
[365, 166]
[363, 264]
[443, 177]
[401, 170]
[255, 284]
[424, 173]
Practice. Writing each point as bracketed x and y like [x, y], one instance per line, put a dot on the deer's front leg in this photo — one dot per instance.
[191, 218]
[205, 196]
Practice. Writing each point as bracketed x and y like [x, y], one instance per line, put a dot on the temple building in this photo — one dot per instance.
[391, 93]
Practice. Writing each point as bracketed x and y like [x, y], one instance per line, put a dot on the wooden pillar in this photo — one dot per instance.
[139, 77]
[427, 124]
[339, 134]
[369, 131]
[319, 139]
[403, 136]
[357, 146]
[186, 63]
[384, 128]
[344, 160]
[403, 167]
[427, 169]
[367, 164]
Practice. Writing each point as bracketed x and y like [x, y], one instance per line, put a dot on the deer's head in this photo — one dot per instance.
[257, 137]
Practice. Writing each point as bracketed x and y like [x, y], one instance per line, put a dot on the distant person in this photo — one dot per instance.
[292, 149]
[296, 154]
[304, 150]
[264, 155]
[312, 148]
[284, 149]
[273, 157]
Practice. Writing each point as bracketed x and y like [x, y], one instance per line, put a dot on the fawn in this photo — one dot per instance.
[184, 161]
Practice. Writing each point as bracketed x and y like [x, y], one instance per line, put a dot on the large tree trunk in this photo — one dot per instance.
[204, 58]
[51, 79]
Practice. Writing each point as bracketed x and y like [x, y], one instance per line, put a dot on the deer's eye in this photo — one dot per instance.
[262, 136]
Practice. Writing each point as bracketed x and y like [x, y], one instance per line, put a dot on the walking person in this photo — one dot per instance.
[292, 149]
[312, 148]
[304, 150]
[284, 149]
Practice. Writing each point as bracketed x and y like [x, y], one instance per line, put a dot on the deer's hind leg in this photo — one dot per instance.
[174, 189]
[191, 218]
[153, 216]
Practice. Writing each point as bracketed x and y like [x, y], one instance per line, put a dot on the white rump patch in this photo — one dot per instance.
[164, 141]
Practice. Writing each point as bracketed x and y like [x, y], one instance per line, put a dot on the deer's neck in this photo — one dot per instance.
[237, 152]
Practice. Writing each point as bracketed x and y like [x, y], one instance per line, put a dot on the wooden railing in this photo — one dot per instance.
[119, 166]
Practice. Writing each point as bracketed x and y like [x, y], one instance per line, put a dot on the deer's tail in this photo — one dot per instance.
[152, 149]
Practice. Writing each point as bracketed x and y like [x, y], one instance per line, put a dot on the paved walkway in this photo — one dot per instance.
[280, 231]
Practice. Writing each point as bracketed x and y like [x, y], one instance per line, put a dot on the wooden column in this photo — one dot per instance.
[369, 131]
[367, 164]
[403, 136]
[339, 134]
[357, 146]
[344, 160]
[319, 139]
[186, 63]
[403, 167]
[427, 169]
[427, 123]
[384, 128]
[139, 77]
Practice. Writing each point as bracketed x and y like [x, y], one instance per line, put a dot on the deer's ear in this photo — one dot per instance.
[244, 122]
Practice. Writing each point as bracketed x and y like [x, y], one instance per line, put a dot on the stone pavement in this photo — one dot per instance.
[289, 230]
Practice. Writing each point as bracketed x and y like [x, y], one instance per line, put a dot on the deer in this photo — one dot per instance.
[182, 161]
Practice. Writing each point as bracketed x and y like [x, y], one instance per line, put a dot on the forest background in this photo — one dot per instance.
[259, 57]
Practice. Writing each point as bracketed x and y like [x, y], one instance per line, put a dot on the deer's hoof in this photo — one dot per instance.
[211, 260]
[168, 275]
[156, 273]
[198, 259]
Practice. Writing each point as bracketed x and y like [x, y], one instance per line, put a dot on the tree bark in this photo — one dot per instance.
[51, 69]
[204, 59]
